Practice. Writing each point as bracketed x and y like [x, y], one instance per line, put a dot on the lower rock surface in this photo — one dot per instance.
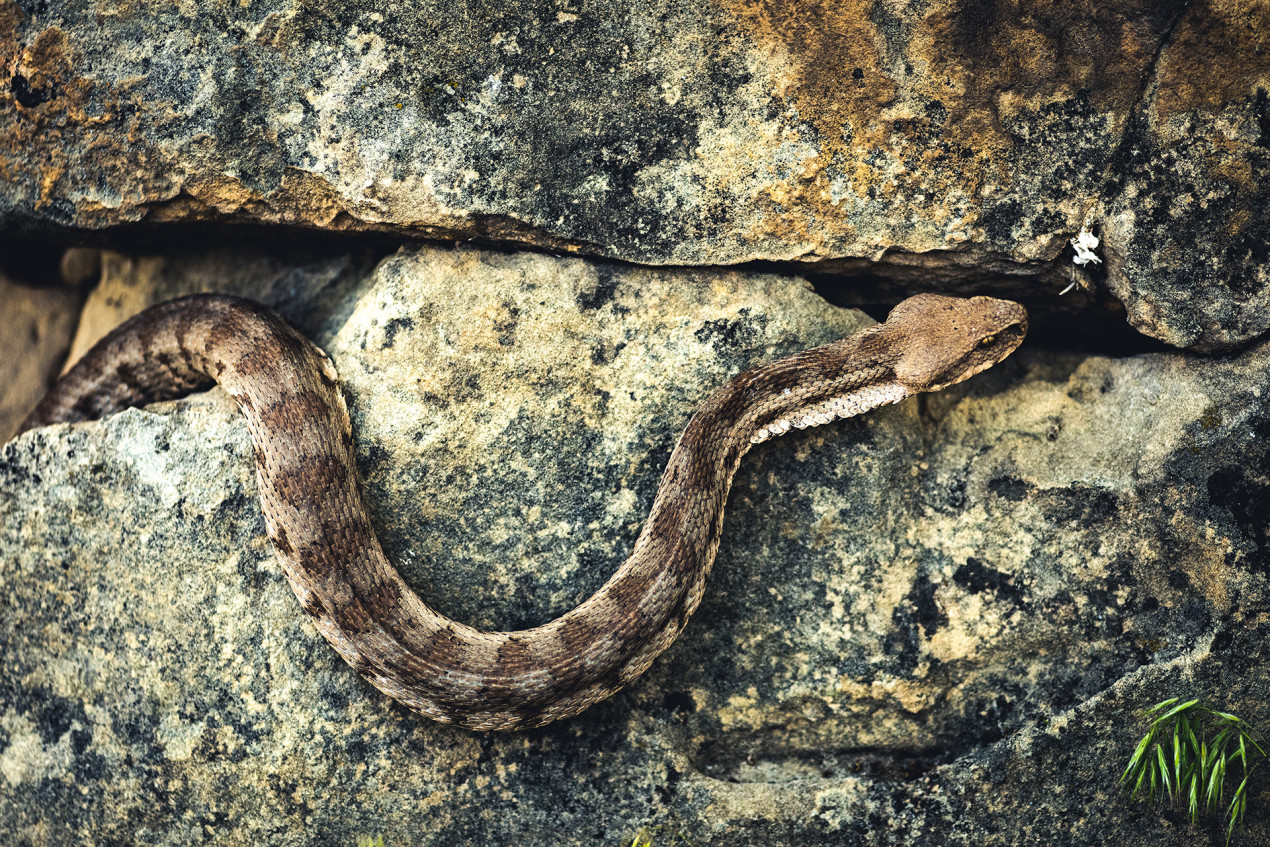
[929, 626]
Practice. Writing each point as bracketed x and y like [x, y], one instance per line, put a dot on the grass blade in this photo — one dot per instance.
[1216, 782]
[1238, 805]
[1221, 739]
[1137, 786]
[1177, 759]
[1188, 724]
[1164, 770]
[1158, 707]
[1176, 709]
[1135, 761]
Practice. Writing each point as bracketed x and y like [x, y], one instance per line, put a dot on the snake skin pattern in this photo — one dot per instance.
[318, 523]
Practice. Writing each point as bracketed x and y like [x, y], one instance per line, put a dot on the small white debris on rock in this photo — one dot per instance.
[1084, 243]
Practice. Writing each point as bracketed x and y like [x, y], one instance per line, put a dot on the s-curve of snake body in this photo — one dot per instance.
[319, 526]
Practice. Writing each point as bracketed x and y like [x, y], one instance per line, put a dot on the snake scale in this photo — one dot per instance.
[318, 523]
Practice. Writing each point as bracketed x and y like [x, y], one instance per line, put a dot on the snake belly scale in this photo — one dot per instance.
[318, 524]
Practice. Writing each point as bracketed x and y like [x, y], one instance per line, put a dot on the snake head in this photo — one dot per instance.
[939, 341]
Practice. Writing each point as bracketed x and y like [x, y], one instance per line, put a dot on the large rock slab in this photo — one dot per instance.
[1186, 223]
[928, 143]
[929, 626]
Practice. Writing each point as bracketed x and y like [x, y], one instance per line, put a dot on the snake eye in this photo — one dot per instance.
[987, 341]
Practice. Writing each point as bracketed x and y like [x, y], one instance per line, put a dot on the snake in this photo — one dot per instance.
[319, 526]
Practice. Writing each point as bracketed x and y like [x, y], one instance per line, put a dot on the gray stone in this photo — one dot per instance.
[930, 143]
[929, 626]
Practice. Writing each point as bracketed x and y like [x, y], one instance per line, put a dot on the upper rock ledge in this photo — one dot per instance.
[669, 133]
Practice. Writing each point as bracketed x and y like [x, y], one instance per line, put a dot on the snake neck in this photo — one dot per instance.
[807, 389]
[840, 380]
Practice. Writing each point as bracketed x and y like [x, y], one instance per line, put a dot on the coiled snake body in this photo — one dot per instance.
[318, 523]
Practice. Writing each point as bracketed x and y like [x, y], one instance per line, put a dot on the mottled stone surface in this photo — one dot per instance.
[933, 143]
[930, 626]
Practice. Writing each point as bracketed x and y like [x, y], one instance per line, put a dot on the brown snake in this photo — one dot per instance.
[318, 523]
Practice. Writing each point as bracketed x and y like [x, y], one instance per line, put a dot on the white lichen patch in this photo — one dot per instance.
[27, 758]
[1084, 244]
[179, 738]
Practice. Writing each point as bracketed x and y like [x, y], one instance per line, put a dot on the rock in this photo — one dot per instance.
[304, 284]
[80, 268]
[902, 141]
[34, 335]
[1187, 231]
[928, 626]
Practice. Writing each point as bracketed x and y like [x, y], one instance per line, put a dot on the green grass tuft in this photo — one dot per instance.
[1187, 756]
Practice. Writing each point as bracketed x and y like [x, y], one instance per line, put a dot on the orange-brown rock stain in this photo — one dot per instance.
[1188, 81]
[916, 108]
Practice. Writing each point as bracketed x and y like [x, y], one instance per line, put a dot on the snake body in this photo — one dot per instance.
[318, 523]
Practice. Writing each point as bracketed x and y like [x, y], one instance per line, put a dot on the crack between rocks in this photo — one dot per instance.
[1138, 104]
[881, 764]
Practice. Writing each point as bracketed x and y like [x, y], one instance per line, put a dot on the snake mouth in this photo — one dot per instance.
[998, 346]
[970, 371]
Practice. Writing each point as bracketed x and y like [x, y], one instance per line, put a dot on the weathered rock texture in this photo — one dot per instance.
[931, 626]
[930, 143]
[1188, 211]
